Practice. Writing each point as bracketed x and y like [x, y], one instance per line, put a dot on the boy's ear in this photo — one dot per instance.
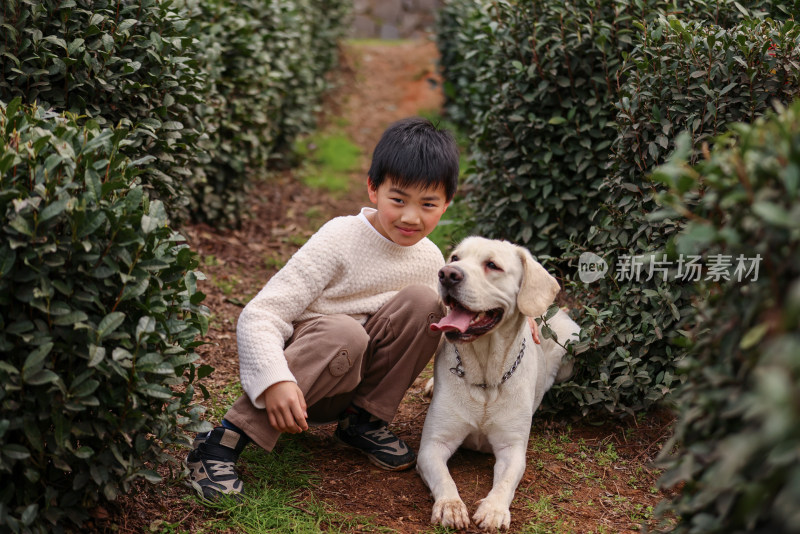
[371, 191]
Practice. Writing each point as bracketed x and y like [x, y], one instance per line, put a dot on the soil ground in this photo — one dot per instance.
[583, 476]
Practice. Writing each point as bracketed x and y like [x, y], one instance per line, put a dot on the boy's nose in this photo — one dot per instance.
[410, 216]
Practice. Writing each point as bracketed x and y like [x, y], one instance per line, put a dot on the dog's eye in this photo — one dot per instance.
[493, 266]
[453, 258]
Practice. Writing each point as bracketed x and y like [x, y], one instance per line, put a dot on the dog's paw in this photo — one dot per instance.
[428, 391]
[491, 517]
[450, 513]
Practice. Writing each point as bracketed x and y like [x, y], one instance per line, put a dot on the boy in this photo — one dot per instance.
[342, 331]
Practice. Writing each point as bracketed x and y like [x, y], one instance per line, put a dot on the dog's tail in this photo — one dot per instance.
[567, 331]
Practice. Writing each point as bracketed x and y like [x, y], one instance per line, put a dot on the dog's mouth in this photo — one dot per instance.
[462, 324]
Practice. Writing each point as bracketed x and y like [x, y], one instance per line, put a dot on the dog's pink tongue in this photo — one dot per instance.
[457, 319]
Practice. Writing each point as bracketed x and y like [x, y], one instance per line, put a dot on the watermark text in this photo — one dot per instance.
[686, 268]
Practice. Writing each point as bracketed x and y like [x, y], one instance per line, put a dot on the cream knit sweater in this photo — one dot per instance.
[347, 267]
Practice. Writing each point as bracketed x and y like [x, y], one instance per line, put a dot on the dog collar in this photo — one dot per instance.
[458, 370]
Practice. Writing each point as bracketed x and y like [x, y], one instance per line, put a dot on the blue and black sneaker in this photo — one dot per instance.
[371, 436]
[211, 463]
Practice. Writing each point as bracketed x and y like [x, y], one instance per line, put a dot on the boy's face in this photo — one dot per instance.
[406, 214]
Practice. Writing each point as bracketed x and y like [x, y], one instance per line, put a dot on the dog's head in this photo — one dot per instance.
[486, 281]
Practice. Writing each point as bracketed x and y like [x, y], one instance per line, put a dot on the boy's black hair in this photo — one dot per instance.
[415, 152]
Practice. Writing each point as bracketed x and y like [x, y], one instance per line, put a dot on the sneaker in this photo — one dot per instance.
[211, 463]
[371, 436]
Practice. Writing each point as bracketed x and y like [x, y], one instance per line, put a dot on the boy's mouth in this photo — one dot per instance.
[407, 231]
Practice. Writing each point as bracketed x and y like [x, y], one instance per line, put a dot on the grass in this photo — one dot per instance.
[271, 504]
[226, 283]
[329, 158]
[543, 508]
[274, 261]
[599, 467]
[273, 481]
[220, 401]
[547, 520]
[608, 456]
[296, 240]
[315, 216]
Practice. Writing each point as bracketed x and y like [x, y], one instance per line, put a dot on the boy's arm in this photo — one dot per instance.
[534, 330]
[266, 323]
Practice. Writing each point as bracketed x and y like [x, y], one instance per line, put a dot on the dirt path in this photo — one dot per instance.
[581, 477]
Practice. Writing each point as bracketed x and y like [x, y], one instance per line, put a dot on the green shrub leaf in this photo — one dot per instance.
[36, 357]
[772, 213]
[150, 475]
[753, 336]
[155, 391]
[42, 376]
[96, 355]
[204, 370]
[70, 318]
[85, 389]
[29, 514]
[15, 452]
[109, 323]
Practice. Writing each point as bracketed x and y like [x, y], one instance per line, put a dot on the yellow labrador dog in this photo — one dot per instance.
[489, 375]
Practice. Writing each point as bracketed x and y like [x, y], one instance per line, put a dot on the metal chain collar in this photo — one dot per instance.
[458, 370]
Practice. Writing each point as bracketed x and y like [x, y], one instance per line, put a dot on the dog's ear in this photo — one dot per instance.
[538, 289]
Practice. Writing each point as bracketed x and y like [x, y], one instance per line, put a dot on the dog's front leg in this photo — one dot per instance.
[448, 508]
[493, 512]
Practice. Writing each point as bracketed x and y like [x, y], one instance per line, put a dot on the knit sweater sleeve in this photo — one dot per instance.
[266, 323]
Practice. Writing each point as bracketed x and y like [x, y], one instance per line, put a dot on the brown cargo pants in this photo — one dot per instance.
[337, 361]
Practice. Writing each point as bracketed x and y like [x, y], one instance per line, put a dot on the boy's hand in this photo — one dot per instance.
[286, 407]
[534, 330]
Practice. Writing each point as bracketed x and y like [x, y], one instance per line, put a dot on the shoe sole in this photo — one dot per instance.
[216, 496]
[373, 459]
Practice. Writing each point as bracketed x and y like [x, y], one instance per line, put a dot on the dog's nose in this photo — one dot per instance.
[450, 276]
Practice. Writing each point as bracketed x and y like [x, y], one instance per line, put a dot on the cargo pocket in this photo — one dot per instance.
[340, 364]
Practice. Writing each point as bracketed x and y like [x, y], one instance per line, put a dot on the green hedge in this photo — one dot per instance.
[317, 27]
[266, 62]
[692, 77]
[696, 77]
[213, 91]
[99, 315]
[518, 81]
[734, 345]
[738, 432]
[116, 61]
[529, 119]
[536, 92]
[463, 37]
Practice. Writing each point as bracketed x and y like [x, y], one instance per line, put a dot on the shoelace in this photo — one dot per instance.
[381, 433]
[220, 468]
